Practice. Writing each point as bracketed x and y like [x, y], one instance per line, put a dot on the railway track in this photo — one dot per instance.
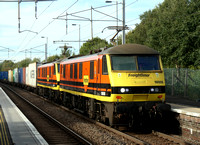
[76, 122]
[94, 131]
[52, 130]
[157, 138]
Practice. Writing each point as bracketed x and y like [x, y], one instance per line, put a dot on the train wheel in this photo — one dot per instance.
[64, 100]
[131, 121]
[107, 121]
[50, 95]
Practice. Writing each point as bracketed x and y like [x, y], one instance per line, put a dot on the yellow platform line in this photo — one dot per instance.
[1, 138]
[3, 132]
[2, 129]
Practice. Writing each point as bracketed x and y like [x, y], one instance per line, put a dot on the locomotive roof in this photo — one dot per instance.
[120, 49]
[130, 49]
[50, 63]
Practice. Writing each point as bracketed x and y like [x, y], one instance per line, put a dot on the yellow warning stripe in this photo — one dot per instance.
[1, 138]
[3, 132]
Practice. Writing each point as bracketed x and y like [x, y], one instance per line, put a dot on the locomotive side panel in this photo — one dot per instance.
[48, 76]
[84, 77]
[48, 81]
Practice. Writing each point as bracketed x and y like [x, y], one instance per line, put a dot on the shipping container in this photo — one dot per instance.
[27, 75]
[24, 75]
[4, 75]
[20, 74]
[32, 72]
[15, 75]
[10, 76]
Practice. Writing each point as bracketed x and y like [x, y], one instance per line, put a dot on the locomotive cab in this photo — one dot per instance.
[137, 83]
[137, 78]
[48, 80]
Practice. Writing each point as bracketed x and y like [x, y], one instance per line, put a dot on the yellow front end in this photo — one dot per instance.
[136, 86]
[57, 87]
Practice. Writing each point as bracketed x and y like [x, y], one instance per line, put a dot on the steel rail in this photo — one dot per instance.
[180, 141]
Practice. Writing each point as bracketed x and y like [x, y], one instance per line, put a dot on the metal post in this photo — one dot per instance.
[36, 9]
[30, 53]
[66, 24]
[117, 18]
[19, 16]
[79, 27]
[186, 83]
[45, 52]
[25, 53]
[123, 23]
[172, 83]
[91, 25]
[46, 47]
[79, 36]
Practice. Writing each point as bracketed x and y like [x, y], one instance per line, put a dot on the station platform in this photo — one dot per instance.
[185, 109]
[184, 106]
[15, 128]
[188, 115]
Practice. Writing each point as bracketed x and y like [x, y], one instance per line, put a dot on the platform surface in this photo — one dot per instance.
[5, 138]
[21, 130]
[185, 109]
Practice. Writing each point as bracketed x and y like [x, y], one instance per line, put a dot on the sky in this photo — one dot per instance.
[48, 25]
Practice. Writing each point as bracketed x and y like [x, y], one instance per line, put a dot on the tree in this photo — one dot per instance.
[23, 63]
[36, 60]
[91, 45]
[7, 65]
[172, 28]
[53, 58]
[66, 52]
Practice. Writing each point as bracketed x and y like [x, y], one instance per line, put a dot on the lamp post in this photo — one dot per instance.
[123, 23]
[116, 14]
[79, 27]
[123, 20]
[46, 46]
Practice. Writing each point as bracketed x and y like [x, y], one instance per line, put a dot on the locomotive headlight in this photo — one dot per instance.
[122, 90]
[152, 89]
[156, 89]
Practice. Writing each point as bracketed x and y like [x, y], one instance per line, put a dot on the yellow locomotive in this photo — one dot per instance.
[115, 86]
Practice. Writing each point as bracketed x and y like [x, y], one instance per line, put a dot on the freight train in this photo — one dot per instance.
[116, 85]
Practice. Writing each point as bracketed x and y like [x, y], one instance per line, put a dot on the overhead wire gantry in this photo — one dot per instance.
[19, 2]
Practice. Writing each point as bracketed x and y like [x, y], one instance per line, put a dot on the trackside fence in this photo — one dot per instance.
[183, 82]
